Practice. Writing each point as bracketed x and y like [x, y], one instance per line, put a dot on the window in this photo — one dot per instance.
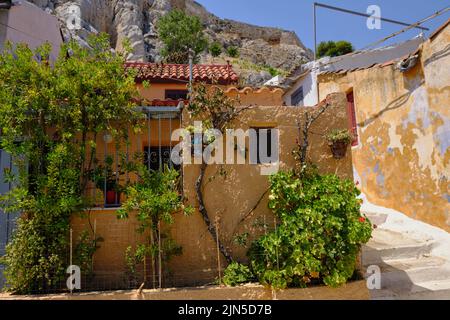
[260, 133]
[159, 157]
[176, 94]
[353, 127]
[297, 97]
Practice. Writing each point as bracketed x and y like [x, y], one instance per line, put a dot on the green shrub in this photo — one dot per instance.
[233, 52]
[215, 49]
[342, 135]
[273, 72]
[237, 273]
[319, 234]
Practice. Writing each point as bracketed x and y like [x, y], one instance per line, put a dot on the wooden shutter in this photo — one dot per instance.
[353, 126]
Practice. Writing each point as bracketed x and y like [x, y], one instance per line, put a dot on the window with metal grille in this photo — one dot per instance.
[176, 94]
[297, 97]
[158, 157]
[353, 126]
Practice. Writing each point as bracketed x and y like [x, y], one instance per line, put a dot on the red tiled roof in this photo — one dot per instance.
[158, 72]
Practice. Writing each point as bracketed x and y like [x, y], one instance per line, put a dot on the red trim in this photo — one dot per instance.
[353, 126]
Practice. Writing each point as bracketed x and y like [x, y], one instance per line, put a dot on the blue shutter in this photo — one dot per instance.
[7, 220]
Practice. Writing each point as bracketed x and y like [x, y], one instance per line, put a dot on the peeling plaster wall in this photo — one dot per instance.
[403, 157]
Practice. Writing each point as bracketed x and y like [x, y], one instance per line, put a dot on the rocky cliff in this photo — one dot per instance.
[260, 48]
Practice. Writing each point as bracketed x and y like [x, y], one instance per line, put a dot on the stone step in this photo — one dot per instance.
[407, 279]
[423, 262]
[405, 273]
[388, 245]
[436, 290]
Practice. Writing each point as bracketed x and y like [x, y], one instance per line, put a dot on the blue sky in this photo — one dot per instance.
[296, 15]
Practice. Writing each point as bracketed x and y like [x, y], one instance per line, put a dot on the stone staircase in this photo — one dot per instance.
[409, 270]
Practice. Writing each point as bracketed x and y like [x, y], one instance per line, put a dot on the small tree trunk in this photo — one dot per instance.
[204, 213]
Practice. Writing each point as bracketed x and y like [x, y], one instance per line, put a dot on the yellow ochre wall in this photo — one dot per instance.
[246, 96]
[230, 197]
[403, 157]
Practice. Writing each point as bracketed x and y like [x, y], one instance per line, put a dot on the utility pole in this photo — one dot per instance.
[315, 31]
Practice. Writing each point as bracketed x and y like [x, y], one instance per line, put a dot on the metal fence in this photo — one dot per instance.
[153, 145]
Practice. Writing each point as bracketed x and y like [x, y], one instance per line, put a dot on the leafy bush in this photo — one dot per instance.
[84, 252]
[215, 49]
[319, 234]
[333, 49]
[233, 52]
[237, 273]
[48, 121]
[179, 33]
[342, 135]
[155, 198]
[37, 256]
[273, 72]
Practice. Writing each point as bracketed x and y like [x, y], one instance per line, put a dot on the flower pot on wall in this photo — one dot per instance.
[338, 148]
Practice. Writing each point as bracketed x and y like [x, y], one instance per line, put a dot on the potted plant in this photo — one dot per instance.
[338, 140]
[106, 179]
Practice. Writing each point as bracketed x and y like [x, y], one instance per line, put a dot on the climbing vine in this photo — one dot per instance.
[216, 110]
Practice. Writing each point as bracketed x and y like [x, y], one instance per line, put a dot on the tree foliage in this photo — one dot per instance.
[334, 49]
[215, 49]
[155, 198]
[50, 116]
[179, 33]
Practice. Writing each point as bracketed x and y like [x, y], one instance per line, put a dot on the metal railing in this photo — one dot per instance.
[152, 145]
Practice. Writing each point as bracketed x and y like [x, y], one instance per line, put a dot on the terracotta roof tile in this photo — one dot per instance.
[158, 72]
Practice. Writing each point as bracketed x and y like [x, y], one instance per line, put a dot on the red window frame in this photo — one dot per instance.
[353, 126]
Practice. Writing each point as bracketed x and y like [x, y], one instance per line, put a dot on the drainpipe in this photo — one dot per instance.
[191, 64]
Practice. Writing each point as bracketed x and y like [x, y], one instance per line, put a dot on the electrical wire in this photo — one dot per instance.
[434, 15]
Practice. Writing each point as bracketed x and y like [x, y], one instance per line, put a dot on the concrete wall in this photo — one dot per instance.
[403, 159]
[26, 23]
[230, 197]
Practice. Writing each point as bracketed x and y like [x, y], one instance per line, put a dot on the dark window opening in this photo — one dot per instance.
[159, 158]
[297, 97]
[259, 134]
[176, 94]
[353, 126]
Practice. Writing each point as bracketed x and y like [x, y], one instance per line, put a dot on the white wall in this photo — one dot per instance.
[308, 82]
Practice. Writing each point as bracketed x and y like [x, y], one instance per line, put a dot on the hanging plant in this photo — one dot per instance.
[338, 140]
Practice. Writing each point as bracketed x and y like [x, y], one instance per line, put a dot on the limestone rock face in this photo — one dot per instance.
[137, 19]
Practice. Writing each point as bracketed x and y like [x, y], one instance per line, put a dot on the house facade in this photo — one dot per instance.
[237, 200]
[401, 159]
[302, 87]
